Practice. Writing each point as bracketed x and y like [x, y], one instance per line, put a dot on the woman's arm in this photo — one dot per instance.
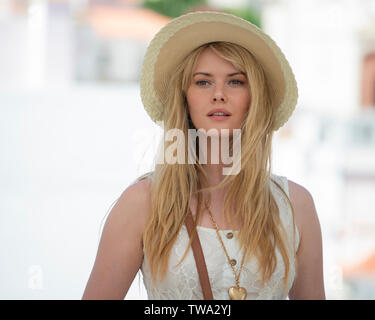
[120, 251]
[309, 282]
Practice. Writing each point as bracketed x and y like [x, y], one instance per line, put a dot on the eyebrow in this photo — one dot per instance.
[210, 75]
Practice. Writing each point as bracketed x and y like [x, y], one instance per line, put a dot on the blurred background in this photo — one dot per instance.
[74, 135]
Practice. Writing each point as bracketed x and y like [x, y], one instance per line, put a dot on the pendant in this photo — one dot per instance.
[237, 293]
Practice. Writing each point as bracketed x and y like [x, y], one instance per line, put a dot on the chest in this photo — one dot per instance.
[182, 281]
[217, 211]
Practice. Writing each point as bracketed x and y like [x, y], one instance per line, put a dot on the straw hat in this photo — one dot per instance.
[187, 32]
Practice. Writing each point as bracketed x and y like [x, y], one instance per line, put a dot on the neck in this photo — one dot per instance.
[214, 166]
[214, 173]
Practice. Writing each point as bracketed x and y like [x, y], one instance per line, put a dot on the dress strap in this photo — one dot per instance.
[199, 258]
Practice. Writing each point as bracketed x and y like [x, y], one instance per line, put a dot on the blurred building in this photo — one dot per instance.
[111, 41]
[67, 41]
[360, 278]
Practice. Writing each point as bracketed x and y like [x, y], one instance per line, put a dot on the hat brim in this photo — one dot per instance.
[185, 33]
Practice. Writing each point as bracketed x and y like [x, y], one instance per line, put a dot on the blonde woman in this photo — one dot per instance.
[259, 233]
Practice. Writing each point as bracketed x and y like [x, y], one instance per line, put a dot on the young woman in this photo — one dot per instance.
[259, 232]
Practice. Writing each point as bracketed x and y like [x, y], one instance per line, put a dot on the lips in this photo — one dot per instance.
[227, 113]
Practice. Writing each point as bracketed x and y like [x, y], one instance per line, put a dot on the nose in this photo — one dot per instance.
[219, 95]
[221, 98]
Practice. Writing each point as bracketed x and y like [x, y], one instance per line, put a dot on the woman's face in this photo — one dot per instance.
[217, 84]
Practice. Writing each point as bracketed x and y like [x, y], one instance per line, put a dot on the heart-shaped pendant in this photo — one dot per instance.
[237, 293]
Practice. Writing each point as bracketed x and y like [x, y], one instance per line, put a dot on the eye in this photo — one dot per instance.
[236, 82]
[201, 83]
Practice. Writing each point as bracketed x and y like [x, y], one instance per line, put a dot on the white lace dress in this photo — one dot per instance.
[182, 283]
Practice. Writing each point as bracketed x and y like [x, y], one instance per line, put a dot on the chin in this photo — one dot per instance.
[218, 129]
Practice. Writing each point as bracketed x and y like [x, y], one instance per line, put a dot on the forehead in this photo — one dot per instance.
[208, 60]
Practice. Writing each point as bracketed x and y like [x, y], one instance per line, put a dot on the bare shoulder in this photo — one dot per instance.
[308, 283]
[131, 210]
[299, 195]
[138, 193]
[120, 251]
[303, 205]
[136, 201]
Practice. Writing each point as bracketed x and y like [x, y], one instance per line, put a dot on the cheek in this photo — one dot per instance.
[193, 100]
[244, 101]
[248, 101]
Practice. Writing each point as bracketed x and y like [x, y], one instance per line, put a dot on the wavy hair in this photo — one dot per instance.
[248, 192]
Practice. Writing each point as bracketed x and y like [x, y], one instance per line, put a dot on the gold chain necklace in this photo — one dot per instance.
[235, 292]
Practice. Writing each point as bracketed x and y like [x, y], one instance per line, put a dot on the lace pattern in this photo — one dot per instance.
[182, 282]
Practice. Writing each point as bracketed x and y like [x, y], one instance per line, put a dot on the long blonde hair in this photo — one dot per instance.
[248, 196]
